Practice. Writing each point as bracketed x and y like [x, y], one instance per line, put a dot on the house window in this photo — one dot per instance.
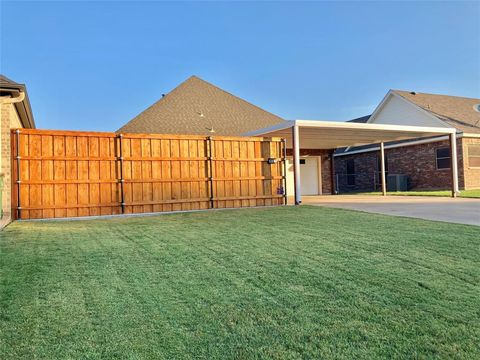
[351, 172]
[443, 158]
[302, 161]
[473, 156]
[379, 164]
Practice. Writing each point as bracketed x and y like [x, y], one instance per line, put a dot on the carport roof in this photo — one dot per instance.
[315, 134]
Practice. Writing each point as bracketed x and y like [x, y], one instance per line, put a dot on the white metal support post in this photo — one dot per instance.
[454, 163]
[382, 169]
[296, 164]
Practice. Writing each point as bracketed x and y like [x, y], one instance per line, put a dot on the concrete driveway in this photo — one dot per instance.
[459, 210]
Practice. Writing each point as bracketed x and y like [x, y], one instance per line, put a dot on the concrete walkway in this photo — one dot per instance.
[459, 210]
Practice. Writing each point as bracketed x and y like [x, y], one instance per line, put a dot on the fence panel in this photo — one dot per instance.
[64, 174]
[164, 173]
[70, 173]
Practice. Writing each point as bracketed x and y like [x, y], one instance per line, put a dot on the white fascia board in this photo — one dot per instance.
[285, 125]
[419, 108]
[393, 146]
[469, 135]
[392, 93]
[351, 126]
[379, 107]
[361, 126]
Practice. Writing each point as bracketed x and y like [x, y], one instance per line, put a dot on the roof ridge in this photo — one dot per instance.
[229, 93]
[175, 112]
[431, 94]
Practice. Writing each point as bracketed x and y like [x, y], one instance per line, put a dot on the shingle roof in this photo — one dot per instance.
[195, 107]
[457, 111]
[361, 120]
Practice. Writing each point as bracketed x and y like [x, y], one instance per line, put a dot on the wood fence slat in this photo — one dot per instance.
[71, 173]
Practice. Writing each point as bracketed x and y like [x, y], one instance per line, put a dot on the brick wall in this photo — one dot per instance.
[416, 161]
[471, 174]
[9, 120]
[366, 177]
[5, 167]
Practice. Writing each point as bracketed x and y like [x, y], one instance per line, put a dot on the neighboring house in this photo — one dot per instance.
[424, 163]
[200, 108]
[15, 113]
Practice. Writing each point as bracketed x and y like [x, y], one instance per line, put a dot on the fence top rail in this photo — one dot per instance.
[198, 137]
[64, 132]
[143, 136]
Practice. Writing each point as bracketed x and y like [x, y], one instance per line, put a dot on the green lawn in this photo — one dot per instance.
[463, 193]
[282, 283]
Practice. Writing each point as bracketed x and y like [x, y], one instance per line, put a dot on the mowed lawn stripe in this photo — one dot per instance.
[288, 282]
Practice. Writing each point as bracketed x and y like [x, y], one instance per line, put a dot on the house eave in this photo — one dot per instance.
[23, 108]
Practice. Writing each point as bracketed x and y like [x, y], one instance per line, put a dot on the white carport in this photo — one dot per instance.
[312, 134]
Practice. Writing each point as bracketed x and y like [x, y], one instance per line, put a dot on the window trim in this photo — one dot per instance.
[444, 157]
[350, 176]
[468, 156]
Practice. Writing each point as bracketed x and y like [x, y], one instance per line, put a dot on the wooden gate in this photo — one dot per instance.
[72, 173]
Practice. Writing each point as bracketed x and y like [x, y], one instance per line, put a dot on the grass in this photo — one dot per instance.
[463, 193]
[281, 283]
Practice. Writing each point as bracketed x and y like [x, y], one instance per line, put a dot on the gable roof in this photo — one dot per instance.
[11, 88]
[195, 107]
[458, 112]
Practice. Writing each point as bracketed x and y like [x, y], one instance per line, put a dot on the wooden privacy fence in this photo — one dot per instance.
[70, 173]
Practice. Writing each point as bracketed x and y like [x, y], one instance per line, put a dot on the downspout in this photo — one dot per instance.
[11, 99]
[7, 100]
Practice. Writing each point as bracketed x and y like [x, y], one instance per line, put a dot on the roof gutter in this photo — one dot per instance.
[18, 97]
[471, 135]
[13, 99]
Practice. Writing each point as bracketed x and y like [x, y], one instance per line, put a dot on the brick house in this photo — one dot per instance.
[425, 163]
[198, 107]
[15, 113]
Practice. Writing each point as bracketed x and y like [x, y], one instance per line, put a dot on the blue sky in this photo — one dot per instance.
[95, 65]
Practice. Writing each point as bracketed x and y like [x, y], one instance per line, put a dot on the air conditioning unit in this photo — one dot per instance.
[397, 182]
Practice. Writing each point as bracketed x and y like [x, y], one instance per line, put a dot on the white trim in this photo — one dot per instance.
[382, 169]
[282, 126]
[296, 166]
[386, 127]
[393, 146]
[454, 161]
[398, 96]
[422, 110]
[379, 106]
[469, 135]
[319, 174]
[353, 126]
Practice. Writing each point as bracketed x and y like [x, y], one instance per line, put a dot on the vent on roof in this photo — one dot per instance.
[413, 93]
[476, 107]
